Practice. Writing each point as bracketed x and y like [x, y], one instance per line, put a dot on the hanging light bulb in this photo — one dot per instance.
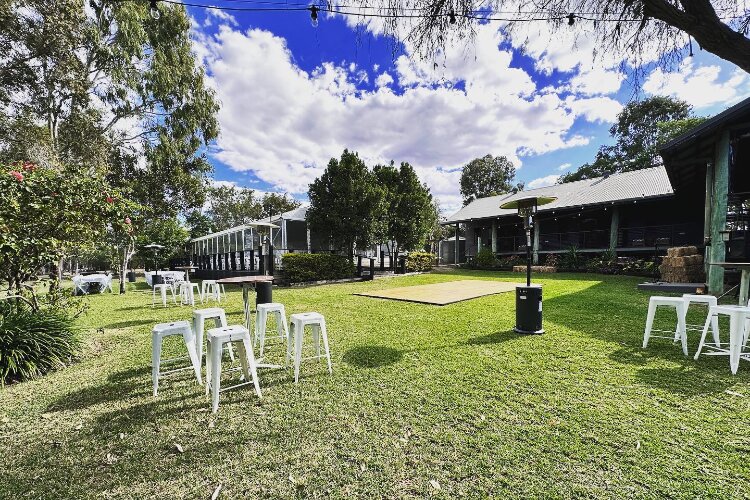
[452, 17]
[313, 15]
[154, 11]
[571, 19]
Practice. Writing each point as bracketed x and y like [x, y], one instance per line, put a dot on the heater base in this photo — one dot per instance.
[528, 332]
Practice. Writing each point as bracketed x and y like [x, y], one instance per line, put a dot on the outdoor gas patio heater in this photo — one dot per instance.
[529, 297]
[155, 247]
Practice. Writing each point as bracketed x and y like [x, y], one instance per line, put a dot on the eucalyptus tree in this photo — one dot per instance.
[105, 87]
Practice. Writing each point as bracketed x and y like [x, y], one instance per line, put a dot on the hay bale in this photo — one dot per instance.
[682, 251]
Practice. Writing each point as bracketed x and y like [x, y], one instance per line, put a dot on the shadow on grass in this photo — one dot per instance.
[372, 356]
[127, 324]
[118, 386]
[494, 338]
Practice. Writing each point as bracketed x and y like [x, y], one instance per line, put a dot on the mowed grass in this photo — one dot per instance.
[423, 401]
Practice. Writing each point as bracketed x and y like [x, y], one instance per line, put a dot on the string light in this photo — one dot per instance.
[154, 11]
[313, 15]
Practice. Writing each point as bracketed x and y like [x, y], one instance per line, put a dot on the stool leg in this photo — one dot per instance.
[325, 344]
[709, 319]
[649, 323]
[164, 296]
[316, 339]
[189, 339]
[715, 330]
[681, 313]
[153, 297]
[735, 341]
[247, 358]
[209, 364]
[261, 319]
[215, 377]
[198, 326]
[298, 334]
[289, 341]
[155, 360]
[282, 324]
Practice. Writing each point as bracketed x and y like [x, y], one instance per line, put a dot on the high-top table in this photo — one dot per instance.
[248, 282]
[744, 267]
[187, 270]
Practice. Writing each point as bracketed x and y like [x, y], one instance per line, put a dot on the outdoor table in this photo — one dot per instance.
[187, 270]
[102, 279]
[744, 277]
[175, 275]
[248, 282]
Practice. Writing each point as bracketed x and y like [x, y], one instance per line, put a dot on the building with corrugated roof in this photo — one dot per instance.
[629, 213]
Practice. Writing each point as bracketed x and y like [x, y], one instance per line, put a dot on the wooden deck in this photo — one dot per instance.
[443, 293]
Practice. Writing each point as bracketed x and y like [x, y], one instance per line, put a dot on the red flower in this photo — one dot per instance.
[27, 165]
[127, 220]
[17, 175]
[110, 199]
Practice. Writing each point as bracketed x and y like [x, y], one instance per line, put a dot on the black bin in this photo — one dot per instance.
[263, 293]
[157, 279]
[529, 309]
[131, 276]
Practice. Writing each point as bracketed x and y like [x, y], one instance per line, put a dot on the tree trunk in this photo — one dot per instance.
[127, 254]
[60, 264]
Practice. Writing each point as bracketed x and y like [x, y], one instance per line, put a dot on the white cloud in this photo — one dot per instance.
[384, 79]
[699, 86]
[564, 166]
[283, 123]
[543, 181]
[221, 16]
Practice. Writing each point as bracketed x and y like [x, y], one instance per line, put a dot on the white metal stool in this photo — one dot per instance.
[738, 335]
[217, 337]
[162, 288]
[158, 334]
[297, 332]
[212, 289]
[709, 301]
[187, 291]
[200, 316]
[681, 331]
[261, 321]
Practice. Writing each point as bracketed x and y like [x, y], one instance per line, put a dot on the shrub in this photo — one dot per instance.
[419, 261]
[33, 343]
[301, 267]
[572, 260]
[485, 259]
[552, 260]
[509, 261]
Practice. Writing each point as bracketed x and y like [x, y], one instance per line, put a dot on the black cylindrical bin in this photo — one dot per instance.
[263, 293]
[529, 309]
[131, 276]
[157, 279]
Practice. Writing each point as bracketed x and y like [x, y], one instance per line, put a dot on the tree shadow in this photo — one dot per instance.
[494, 338]
[372, 356]
[128, 324]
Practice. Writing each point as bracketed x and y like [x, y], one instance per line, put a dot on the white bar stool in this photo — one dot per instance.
[217, 337]
[187, 291]
[212, 289]
[200, 316]
[680, 308]
[738, 335]
[162, 288]
[318, 324]
[261, 321]
[158, 334]
[709, 301]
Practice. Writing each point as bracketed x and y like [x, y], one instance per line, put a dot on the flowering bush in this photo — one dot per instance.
[46, 210]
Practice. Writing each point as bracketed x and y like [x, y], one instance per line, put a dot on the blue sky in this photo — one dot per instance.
[293, 96]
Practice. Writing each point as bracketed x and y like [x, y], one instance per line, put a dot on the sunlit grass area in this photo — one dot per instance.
[424, 400]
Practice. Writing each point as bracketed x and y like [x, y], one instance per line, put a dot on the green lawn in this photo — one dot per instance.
[424, 400]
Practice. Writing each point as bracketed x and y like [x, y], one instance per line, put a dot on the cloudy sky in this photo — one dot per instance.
[293, 96]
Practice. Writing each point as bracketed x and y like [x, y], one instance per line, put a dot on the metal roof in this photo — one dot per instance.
[617, 188]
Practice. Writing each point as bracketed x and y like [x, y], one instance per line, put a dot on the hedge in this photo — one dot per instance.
[419, 261]
[301, 267]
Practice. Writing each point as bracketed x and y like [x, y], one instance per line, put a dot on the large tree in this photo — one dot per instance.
[101, 86]
[630, 29]
[344, 203]
[407, 214]
[487, 176]
[639, 130]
